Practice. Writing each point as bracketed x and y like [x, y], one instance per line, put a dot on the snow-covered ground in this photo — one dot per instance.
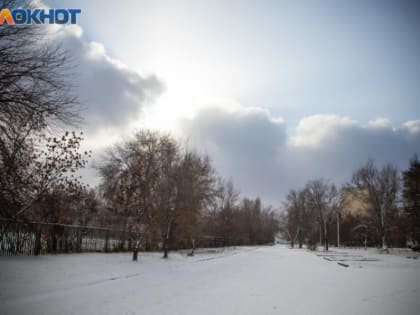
[246, 280]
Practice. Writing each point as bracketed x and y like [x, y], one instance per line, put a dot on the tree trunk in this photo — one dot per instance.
[383, 240]
[166, 239]
[320, 234]
[366, 239]
[326, 241]
[106, 241]
[297, 234]
[193, 247]
[53, 242]
[300, 238]
[122, 240]
[292, 244]
[135, 254]
[79, 241]
[38, 246]
[165, 249]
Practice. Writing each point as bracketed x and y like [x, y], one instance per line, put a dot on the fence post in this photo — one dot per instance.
[37, 247]
[106, 241]
[78, 240]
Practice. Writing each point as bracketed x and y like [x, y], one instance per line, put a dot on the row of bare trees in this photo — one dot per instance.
[369, 210]
[171, 196]
[239, 221]
[309, 210]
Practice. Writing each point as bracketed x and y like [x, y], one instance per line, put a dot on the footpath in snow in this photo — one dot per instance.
[245, 280]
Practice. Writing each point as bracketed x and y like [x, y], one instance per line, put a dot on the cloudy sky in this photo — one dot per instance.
[276, 92]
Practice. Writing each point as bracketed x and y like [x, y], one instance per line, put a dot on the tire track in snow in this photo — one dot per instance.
[226, 255]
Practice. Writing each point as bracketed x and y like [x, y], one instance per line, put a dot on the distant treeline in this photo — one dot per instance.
[378, 207]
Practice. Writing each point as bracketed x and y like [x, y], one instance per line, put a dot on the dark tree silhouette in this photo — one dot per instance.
[36, 104]
[411, 198]
[381, 187]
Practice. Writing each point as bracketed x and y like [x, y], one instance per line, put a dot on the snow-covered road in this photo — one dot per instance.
[246, 280]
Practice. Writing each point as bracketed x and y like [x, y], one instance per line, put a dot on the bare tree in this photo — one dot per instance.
[36, 98]
[324, 199]
[167, 201]
[34, 78]
[256, 224]
[228, 205]
[38, 170]
[194, 192]
[411, 198]
[131, 174]
[86, 206]
[117, 189]
[157, 189]
[297, 216]
[381, 187]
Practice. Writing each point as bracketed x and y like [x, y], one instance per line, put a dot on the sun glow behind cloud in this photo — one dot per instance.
[190, 83]
[193, 63]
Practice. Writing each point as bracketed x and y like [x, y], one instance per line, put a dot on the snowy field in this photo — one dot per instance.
[246, 280]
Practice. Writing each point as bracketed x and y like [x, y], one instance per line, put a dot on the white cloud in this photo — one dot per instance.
[380, 123]
[113, 95]
[413, 126]
[313, 130]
